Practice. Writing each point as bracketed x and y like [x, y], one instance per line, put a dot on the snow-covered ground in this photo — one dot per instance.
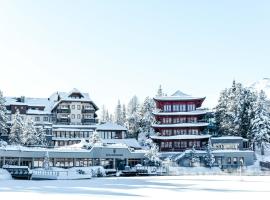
[164, 187]
[4, 175]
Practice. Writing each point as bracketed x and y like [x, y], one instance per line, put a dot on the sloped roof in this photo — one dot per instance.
[35, 102]
[178, 96]
[131, 142]
[111, 126]
[63, 96]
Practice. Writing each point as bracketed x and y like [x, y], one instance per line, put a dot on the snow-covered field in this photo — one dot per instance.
[175, 187]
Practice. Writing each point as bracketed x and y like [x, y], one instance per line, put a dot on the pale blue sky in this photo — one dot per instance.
[115, 49]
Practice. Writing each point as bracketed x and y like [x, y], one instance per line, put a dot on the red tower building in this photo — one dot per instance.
[179, 123]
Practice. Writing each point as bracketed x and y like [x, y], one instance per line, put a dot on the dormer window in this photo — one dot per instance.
[75, 94]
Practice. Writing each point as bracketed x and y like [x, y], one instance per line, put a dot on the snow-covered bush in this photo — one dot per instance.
[3, 143]
[194, 160]
[98, 171]
[95, 138]
[153, 156]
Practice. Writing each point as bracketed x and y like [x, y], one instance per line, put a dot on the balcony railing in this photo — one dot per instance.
[60, 110]
[88, 110]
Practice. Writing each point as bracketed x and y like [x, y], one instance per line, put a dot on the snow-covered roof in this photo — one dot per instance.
[111, 126]
[73, 127]
[75, 91]
[190, 113]
[180, 137]
[59, 97]
[198, 124]
[38, 112]
[178, 96]
[227, 138]
[34, 102]
[131, 142]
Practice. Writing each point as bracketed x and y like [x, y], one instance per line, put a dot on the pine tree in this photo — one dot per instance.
[209, 157]
[261, 123]
[160, 92]
[118, 114]
[107, 116]
[95, 138]
[133, 117]
[234, 111]
[16, 132]
[146, 120]
[3, 116]
[29, 136]
[124, 114]
[193, 157]
[103, 114]
[41, 136]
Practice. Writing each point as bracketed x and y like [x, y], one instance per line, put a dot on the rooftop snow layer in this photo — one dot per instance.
[199, 124]
[181, 137]
[111, 126]
[196, 112]
[178, 95]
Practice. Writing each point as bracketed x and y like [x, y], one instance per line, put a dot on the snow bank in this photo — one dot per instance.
[71, 173]
[194, 171]
[4, 175]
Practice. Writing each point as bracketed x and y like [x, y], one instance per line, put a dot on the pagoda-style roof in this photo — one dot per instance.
[181, 125]
[189, 113]
[178, 96]
[180, 137]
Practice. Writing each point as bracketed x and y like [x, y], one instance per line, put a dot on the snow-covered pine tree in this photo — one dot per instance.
[124, 114]
[146, 119]
[133, 117]
[261, 122]
[234, 111]
[107, 116]
[103, 114]
[152, 155]
[159, 92]
[221, 110]
[16, 131]
[29, 136]
[41, 136]
[193, 157]
[95, 138]
[209, 157]
[118, 114]
[3, 116]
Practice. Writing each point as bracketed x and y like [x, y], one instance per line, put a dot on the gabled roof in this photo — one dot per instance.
[59, 97]
[75, 91]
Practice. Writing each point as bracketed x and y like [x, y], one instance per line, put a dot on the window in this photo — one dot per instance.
[79, 116]
[45, 119]
[183, 144]
[37, 119]
[229, 161]
[175, 108]
[235, 161]
[73, 116]
[78, 107]
[73, 107]
[167, 108]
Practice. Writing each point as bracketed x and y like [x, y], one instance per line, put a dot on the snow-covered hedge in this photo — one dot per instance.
[4, 175]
